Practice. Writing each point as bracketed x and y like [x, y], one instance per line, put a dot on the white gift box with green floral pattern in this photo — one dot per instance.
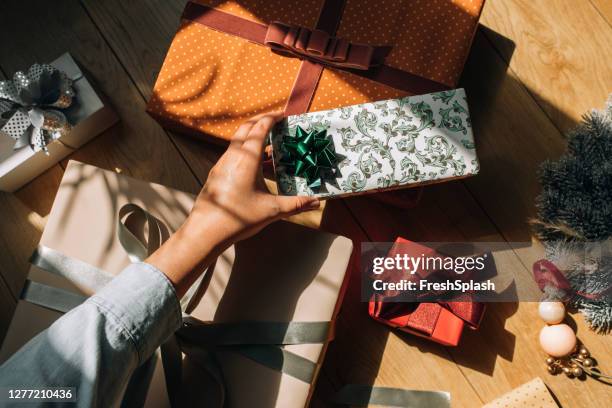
[375, 146]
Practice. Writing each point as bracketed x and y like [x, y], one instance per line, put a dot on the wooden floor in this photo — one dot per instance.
[535, 67]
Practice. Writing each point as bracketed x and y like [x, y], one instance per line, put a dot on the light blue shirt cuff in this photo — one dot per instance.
[144, 304]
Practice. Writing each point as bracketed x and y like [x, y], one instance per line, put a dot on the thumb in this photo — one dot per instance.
[290, 205]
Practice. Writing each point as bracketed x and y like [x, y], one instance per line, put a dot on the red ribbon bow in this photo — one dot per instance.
[441, 322]
[319, 46]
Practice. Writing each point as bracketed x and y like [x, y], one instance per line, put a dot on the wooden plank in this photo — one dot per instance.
[7, 308]
[140, 34]
[604, 7]
[137, 146]
[513, 137]
[19, 234]
[560, 54]
[446, 213]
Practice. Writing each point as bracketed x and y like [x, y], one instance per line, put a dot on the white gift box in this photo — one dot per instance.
[378, 146]
[88, 115]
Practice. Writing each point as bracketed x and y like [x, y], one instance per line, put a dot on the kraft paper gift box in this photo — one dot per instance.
[87, 115]
[231, 60]
[266, 278]
[375, 146]
[531, 394]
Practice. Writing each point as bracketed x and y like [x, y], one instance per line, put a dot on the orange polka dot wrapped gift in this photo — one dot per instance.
[232, 59]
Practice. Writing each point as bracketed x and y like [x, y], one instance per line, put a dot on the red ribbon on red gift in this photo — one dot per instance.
[442, 322]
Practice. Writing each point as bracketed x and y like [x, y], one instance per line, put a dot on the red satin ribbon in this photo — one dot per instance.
[441, 321]
[319, 46]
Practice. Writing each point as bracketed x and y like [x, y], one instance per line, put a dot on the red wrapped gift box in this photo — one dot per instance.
[442, 322]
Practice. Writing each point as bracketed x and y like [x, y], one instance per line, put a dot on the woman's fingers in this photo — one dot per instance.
[255, 140]
[291, 205]
[243, 130]
[242, 133]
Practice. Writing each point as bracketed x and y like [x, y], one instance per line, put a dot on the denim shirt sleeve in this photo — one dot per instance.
[96, 346]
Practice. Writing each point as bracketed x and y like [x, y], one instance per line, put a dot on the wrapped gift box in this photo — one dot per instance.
[230, 60]
[88, 116]
[266, 278]
[375, 146]
[531, 394]
[442, 322]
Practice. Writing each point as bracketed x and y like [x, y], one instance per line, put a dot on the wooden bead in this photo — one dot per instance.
[551, 312]
[557, 340]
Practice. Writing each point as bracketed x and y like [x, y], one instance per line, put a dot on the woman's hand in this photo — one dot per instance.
[234, 197]
[233, 205]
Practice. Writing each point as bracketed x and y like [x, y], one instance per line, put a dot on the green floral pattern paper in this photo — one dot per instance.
[386, 144]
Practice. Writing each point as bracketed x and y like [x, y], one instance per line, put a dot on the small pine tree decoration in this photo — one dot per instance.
[575, 215]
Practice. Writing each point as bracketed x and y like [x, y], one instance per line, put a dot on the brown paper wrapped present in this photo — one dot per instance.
[531, 394]
[287, 273]
[233, 59]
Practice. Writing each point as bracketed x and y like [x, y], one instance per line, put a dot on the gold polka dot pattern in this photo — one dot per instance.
[533, 394]
[211, 82]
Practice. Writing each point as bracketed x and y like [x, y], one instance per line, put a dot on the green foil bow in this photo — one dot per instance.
[310, 155]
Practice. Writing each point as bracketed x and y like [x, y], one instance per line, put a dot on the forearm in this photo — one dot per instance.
[187, 253]
[96, 346]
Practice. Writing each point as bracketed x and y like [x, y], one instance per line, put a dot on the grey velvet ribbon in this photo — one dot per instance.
[364, 395]
[29, 106]
[261, 342]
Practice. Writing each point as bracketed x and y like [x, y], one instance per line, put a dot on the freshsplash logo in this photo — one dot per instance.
[406, 271]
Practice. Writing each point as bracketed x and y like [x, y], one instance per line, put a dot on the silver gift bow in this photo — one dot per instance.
[29, 103]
